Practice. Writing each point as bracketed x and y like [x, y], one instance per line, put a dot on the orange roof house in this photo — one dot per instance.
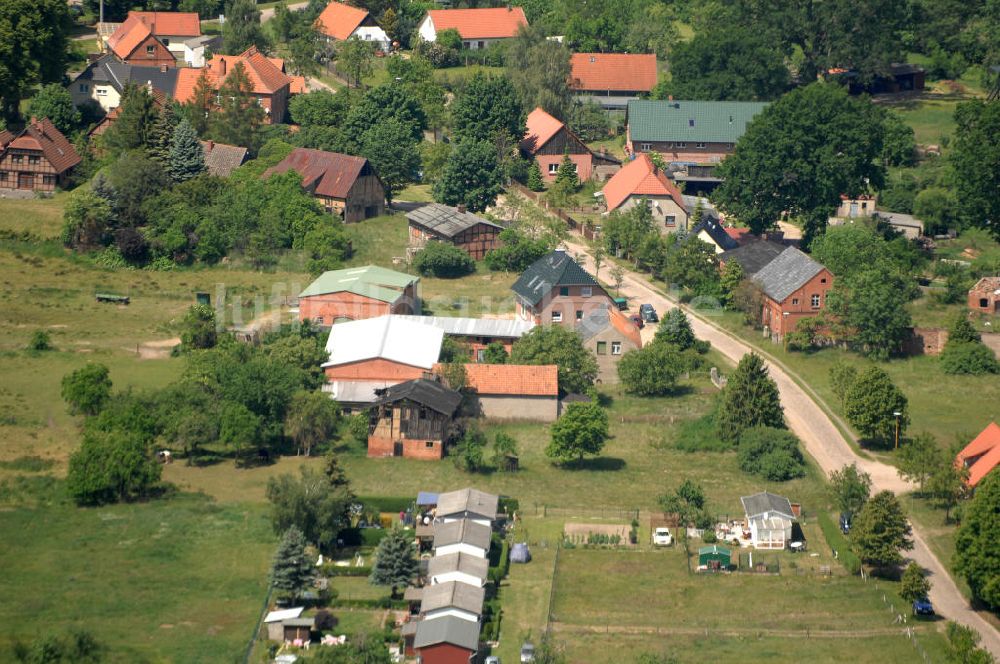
[626, 74]
[515, 392]
[144, 38]
[547, 139]
[478, 27]
[341, 22]
[640, 180]
[271, 86]
[981, 455]
[38, 158]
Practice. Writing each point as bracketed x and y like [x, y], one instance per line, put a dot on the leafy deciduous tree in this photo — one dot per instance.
[581, 429]
[555, 344]
[311, 420]
[87, 389]
[880, 531]
[651, 370]
[870, 405]
[977, 542]
[852, 487]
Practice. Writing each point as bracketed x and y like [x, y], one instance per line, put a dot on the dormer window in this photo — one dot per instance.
[151, 50]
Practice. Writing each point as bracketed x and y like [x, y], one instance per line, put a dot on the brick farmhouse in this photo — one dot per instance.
[555, 289]
[984, 296]
[37, 158]
[640, 182]
[547, 140]
[794, 287]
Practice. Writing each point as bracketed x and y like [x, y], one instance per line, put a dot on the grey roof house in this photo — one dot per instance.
[460, 567]
[461, 535]
[788, 272]
[461, 596]
[710, 231]
[753, 256]
[447, 630]
[221, 159]
[104, 80]
[467, 504]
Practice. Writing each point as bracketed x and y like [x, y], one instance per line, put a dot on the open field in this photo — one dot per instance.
[176, 580]
[621, 592]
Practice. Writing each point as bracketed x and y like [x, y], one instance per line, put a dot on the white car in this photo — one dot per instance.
[662, 537]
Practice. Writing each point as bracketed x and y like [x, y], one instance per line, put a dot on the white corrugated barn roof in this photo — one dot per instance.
[387, 337]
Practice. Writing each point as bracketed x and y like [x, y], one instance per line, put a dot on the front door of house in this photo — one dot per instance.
[25, 180]
[397, 448]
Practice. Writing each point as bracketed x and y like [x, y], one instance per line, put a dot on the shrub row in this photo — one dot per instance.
[839, 543]
[347, 571]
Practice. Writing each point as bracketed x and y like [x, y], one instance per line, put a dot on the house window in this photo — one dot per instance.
[645, 147]
[815, 301]
[17, 159]
[553, 169]
[48, 179]
[602, 347]
[150, 50]
[670, 220]
[556, 316]
[429, 444]
[680, 145]
[33, 160]
[102, 92]
[586, 291]
[795, 301]
[579, 314]
[482, 44]
[481, 355]
[616, 348]
[983, 302]
[823, 280]
[564, 291]
[166, 42]
[84, 87]
[318, 320]
[465, 44]
[700, 146]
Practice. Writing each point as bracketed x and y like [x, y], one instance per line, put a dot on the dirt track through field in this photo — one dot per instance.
[821, 438]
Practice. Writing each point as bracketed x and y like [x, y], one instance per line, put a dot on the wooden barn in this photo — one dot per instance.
[412, 420]
[454, 225]
[346, 186]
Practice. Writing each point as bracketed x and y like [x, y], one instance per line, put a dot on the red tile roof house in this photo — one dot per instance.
[154, 38]
[37, 158]
[515, 392]
[640, 182]
[985, 296]
[478, 27]
[271, 86]
[340, 22]
[981, 455]
[345, 185]
[611, 79]
[794, 287]
[548, 139]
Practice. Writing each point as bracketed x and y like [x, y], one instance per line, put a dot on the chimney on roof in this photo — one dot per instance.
[461, 208]
[222, 66]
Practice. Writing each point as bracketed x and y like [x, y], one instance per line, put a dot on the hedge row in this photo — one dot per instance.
[333, 570]
[387, 503]
[381, 603]
[839, 543]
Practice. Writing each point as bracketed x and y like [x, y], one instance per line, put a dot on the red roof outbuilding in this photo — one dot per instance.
[981, 455]
[513, 379]
[340, 21]
[614, 72]
[328, 174]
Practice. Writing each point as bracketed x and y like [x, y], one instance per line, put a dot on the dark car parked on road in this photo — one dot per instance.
[648, 313]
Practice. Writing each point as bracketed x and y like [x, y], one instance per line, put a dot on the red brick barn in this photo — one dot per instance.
[985, 295]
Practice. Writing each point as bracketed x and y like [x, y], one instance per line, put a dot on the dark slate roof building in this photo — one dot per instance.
[428, 393]
[714, 232]
[548, 272]
[786, 274]
[445, 221]
[116, 73]
[452, 630]
[754, 255]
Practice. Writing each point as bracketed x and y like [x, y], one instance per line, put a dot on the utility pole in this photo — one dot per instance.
[101, 19]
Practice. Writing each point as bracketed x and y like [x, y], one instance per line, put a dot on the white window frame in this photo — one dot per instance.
[815, 301]
[84, 87]
[645, 147]
[553, 168]
[102, 92]
[151, 49]
[616, 348]
[680, 145]
[670, 220]
[700, 146]
[556, 316]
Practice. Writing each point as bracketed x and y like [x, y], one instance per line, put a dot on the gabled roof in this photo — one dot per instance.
[329, 174]
[371, 281]
[465, 563]
[987, 285]
[626, 72]
[787, 273]
[599, 319]
[470, 500]
[753, 255]
[550, 271]
[339, 21]
[639, 177]
[385, 337]
[222, 159]
[484, 23]
[463, 531]
[541, 127]
[449, 629]
[513, 379]
[284, 614]
[715, 230]
[264, 73]
[982, 454]
[708, 121]
[42, 135]
[167, 24]
[505, 328]
[429, 393]
[761, 503]
[453, 594]
[445, 220]
[109, 69]
[128, 37]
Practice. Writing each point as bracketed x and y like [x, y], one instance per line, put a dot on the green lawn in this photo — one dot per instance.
[177, 580]
[453, 76]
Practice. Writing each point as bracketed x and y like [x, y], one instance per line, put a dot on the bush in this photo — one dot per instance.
[709, 537]
[40, 341]
[968, 358]
[447, 261]
[357, 425]
[771, 453]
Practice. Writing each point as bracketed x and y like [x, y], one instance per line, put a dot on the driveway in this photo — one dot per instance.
[822, 440]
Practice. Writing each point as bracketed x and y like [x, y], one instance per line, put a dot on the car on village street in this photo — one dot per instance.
[527, 653]
[662, 537]
[923, 607]
[648, 313]
[637, 321]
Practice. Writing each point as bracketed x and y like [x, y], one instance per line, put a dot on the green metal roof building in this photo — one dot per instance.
[715, 557]
[689, 121]
[371, 281]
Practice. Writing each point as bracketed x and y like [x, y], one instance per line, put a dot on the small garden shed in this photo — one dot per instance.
[715, 558]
